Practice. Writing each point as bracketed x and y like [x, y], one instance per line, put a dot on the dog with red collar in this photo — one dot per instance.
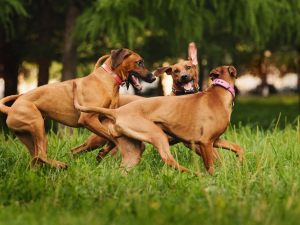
[100, 88]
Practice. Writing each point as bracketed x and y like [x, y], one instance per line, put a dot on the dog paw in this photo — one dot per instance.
[57, 164]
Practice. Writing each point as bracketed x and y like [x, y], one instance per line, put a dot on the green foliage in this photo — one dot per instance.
[264, 189]
[8, 10]
[219, 27]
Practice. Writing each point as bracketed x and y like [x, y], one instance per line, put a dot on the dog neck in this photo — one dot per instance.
[116, 77]
[228, 98]
[226, 85]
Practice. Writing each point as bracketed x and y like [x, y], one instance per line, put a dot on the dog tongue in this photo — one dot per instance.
[137, 83]
[188, 86]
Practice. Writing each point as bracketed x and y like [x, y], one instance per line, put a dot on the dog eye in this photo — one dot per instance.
[140, 63]
[176, 71]
[214, 75]
[188, 67]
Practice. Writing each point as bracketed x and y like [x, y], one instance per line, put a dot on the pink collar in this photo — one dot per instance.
[224, 84]
[115, 76]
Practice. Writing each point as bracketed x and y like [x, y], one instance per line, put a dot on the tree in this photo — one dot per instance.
[70, 48]
[10, 11]
[225, 31]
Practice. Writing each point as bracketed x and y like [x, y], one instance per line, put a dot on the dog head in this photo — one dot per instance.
[184, 74]
[130, 67]
[227, 73]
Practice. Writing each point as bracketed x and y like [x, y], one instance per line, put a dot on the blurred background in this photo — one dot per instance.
[48, 41]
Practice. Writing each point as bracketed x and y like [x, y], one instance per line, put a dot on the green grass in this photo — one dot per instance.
[265, 189]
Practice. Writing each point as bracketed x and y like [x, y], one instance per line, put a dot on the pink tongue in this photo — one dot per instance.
[137, 83]
[188, 86]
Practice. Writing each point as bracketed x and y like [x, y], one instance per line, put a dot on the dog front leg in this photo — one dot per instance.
[238, 150]
[91, 121]
[92, 143]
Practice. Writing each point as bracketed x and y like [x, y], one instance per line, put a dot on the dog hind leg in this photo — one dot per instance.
[30, 130]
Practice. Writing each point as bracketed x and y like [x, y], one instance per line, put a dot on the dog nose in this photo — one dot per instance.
[184, 77]
[151, 77]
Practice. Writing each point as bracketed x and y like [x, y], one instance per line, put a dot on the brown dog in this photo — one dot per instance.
[101, 88]
[185, 81]
[199, 119]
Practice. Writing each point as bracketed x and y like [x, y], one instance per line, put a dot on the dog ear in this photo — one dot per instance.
[118, 55]
[192, 53]
[161, 70]
[232, 71]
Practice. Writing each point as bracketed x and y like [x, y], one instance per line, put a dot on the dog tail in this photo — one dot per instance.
[109, 113]
[100, 61]
[3, 108]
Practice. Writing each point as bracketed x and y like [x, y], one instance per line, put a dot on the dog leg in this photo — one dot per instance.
[145, 130]
[196, 148]
[92, 143]
[238, 150]
[102, 153]
[91, 121]
[131, 152]
[206, 150]
[112, 149]
[30, 130]
[37, 151]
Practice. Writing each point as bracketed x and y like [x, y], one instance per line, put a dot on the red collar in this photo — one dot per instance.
[115, 76]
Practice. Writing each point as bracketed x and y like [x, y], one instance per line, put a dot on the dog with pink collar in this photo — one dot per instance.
[196, 119]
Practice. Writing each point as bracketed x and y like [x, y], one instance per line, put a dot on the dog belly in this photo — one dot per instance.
[58, 106]
[66, 119]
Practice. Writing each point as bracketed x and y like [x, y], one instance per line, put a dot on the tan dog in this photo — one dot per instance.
[199, 119]
[185, 81]
[101, 88]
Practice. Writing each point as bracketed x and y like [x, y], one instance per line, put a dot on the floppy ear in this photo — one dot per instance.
[118, 55]
[161, 70]
[192, 53]
[232, 71]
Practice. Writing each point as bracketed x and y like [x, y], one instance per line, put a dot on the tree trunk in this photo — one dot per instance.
[9, 66]
[201, 74]
[43, 76]
[69, 52]
[11, 77]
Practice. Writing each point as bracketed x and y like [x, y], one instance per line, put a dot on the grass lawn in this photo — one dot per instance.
[265, 189]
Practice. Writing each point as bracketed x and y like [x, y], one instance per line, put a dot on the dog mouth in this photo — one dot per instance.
[188, 86]
[135, 81]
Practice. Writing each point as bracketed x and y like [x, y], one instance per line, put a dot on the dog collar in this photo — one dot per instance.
[224, 84]
[184, 92]
[115, 76]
